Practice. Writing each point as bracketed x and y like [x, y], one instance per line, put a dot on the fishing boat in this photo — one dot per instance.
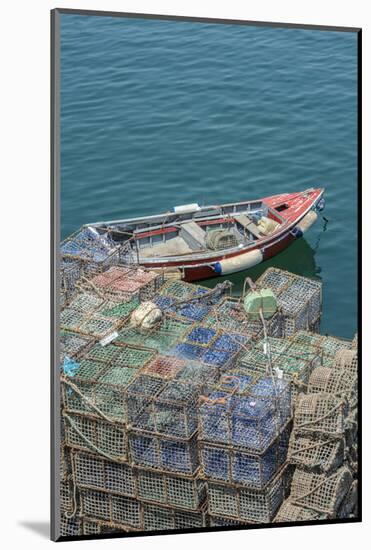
[200, 242]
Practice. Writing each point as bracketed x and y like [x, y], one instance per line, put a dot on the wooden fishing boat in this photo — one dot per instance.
[200, 242]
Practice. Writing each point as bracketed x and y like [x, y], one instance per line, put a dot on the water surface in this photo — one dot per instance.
[160, 113]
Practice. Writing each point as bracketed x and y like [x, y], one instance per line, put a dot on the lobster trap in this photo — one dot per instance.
[289, 512]
[66, 498]
[74, 345]
[160, 338]
[320, 492]
[245, 504]
[294, 361]
[163, 407]
[70, 527]
[249, 413]
[235, 465]
[115, 509]
[159, 518]
[180, 491]
[93, 317]
[219, 521]
[298, 298]
[120, 283]
[96, 527]
[229, 315]
[338, 382]
[98, 388]
[164, 367]
[320, 413]
[97, 436]
[347, 360]
[94, 472]
[163, 453]
[318, 455]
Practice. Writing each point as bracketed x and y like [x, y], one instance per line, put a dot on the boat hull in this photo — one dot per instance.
[226, 265]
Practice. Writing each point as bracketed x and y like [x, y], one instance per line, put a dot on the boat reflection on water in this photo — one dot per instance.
[298, 258]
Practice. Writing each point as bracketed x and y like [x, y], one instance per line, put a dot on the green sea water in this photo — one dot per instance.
[160, 113]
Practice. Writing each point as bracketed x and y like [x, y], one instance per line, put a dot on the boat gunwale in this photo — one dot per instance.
[264, 242]
[220, 206]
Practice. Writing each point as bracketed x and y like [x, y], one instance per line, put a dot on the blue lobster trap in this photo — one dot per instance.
[163, 453]
[235, 465]
[248, 415]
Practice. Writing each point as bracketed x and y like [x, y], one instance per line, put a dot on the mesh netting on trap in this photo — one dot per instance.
[291, 512]
[339, 382]
[320, 492]
[320, 455]
[320, 414]
[233, 464]
[246, 412]
[244, 504]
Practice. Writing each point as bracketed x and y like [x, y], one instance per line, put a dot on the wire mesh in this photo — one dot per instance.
[93, 435]
[234, 465]
[339, 382]
[115, 509]
[92, 471]
[163, 453]
[157, 518]
[291, 512]
[320, 492]
[74, 345]
[318, 455]
[70, 527]
[249, 414]
[174, 491]
[320, 413]
[243, 504]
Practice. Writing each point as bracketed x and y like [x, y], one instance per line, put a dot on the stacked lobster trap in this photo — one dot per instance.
[83, 254]
[244, 427]
[187, 423]
[322, 445]
[299, 299]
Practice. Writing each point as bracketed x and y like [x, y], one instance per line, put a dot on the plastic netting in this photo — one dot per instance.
[291, 512]
[243, 504]
[97, 436]
[320, 492]
[299, 299]
[339, 382]
[250, 413]
[116, 509]
[162, 453]
[234, 465]
[320, 413]
[91, 471]
[174, 491]
[321, 455]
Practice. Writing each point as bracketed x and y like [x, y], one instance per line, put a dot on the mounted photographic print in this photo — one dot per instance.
[205, 228]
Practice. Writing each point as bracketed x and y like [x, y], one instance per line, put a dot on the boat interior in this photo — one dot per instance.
[191, 229]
